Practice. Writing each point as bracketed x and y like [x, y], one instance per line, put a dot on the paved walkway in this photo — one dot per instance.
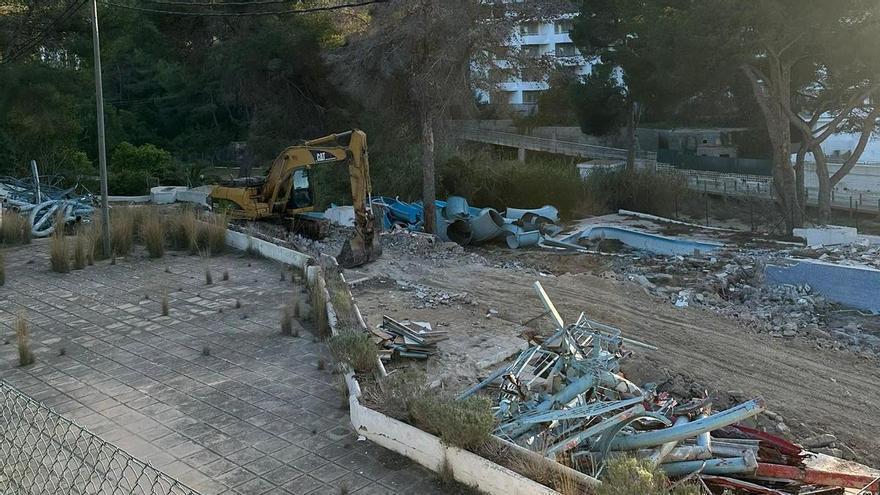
[211, 394]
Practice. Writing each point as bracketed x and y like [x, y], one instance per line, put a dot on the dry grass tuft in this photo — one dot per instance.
[209, 279]
[212, 233]
[122, 229]
[355, 348]
[80, 244]
[225, 276]
[184, 231]
[25, 356]
[237, 304]
[153, 233]
[321, 364]
[286, 321]
[2, 270]
[165, 304]
[206, 351]
[15, 228]
[59, 255]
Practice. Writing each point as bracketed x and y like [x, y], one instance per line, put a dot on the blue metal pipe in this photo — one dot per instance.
[676, 433]
[731, 465]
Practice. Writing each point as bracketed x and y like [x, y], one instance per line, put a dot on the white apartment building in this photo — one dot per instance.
[551, 40]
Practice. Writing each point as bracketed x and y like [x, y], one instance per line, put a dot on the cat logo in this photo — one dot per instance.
[323, 156]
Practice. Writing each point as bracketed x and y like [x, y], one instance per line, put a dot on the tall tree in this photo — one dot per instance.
[802, 58]
[420, 60]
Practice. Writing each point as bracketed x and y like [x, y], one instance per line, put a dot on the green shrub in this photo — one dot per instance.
[395, 393]
[628, 475]
[355, 348]
[465, 423]
[640, 190]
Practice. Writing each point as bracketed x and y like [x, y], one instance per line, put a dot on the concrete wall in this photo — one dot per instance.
[244, 242]
[427, 450]
[854, 286]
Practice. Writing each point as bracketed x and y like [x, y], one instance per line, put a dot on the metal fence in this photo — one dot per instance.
[548, 145]
[41, 452]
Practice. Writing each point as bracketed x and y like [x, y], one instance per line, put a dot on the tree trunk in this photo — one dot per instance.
[631, 125]
[825, 186]
[428, 191]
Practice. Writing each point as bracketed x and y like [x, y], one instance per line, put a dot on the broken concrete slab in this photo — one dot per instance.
[855, 286]
[829, 235]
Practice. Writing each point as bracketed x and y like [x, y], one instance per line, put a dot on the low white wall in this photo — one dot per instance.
[427, 450]
[267, 249]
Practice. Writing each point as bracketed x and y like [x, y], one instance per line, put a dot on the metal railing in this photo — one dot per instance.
[42, 452]
[758, 186]
[546, 145]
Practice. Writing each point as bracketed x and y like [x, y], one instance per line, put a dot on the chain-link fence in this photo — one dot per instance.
[42, 452]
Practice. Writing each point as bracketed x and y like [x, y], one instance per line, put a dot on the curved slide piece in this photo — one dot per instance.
[456, 207]
[517, 237]
[546, 211]
[488, 225]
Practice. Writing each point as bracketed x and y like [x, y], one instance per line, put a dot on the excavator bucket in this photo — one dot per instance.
[360, 250]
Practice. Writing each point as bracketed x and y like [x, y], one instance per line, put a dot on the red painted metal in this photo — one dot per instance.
[816, 477]
[740, 485]
[782, 445]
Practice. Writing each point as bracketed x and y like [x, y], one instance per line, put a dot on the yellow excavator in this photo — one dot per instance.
[287, 193]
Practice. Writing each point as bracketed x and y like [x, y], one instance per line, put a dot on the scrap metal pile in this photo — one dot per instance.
[409, 339]
[42, 203]
[461, 223]
[565, 398]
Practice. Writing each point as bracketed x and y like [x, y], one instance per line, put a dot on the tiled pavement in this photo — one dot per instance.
[253, 415]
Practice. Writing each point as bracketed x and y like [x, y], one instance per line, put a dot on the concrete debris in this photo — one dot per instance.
[566, 398]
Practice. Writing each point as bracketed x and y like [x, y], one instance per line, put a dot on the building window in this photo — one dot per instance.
[529, 28]
[566, 50]
[563, 27]
[530, 97]
[532, 51]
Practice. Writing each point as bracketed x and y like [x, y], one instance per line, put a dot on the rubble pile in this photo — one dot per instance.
[730, 282]
[430, 297]
[565, 398]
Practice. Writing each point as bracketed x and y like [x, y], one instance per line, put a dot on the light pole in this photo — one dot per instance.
[102, 152]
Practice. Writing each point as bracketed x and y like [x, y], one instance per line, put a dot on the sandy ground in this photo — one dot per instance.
[815, 391]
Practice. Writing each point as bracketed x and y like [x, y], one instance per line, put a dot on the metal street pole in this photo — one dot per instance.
[102, 152]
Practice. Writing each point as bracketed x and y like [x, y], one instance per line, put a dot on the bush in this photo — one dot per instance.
[502, 184]
[15, 228]
[59, 255]
[394, 394]
[465, 423]
[639, 190]
[153, 233]
[628, 475]
[355, 348]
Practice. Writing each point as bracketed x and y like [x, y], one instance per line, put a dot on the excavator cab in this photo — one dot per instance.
[287, 192]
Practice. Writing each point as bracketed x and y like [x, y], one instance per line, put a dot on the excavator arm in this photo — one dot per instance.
[276, 194]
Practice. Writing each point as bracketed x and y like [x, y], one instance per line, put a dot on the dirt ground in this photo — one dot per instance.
[814, 390]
